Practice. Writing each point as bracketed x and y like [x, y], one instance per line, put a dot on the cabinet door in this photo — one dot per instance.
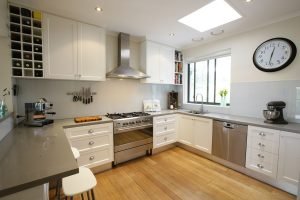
[186, 129]
[289, 158]
[152, 62]
[166, 65]
[60, 44]
[203, 134]
[91, 53]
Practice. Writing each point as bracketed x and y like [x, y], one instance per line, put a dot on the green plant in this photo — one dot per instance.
[223, 93]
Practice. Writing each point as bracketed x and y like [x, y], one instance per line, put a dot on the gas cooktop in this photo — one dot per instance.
[126, 115]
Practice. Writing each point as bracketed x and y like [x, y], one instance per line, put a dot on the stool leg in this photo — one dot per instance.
[93, 195]
[88, 195]
[58, 190]
[71, 198]
[82, 197]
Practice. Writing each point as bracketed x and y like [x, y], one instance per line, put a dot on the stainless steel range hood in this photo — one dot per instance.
[124, 70]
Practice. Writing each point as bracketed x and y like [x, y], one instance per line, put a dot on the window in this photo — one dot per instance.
[207, 78]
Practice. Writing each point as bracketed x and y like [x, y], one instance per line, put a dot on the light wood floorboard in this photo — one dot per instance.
[179, 174]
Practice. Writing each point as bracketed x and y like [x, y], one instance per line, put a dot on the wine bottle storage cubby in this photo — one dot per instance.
[26, 42]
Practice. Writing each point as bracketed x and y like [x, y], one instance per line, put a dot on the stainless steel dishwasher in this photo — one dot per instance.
[230, 142]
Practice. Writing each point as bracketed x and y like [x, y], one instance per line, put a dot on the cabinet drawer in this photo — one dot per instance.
[92, 141]
[263, 145]
[267, 168]
[263, 133]
[90, 130]
[164, 140]
[95, 157]
[165, 119]
[164, 128]
[260, 156]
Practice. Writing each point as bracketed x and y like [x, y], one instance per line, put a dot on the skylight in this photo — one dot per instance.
[210, 16]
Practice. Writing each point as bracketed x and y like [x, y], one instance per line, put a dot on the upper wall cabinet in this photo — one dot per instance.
[157, 62]
[73, 51]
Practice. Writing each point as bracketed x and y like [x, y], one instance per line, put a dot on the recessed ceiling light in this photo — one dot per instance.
[198, 39]
[172, 34]
[210, 16]
[215, 33]
[248, 1]
[98, 9]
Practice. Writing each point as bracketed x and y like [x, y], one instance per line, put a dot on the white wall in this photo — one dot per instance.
[5, 70]
[112, 95]
[251, 88]
[243, 46]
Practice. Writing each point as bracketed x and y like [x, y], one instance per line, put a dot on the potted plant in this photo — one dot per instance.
[223, 93]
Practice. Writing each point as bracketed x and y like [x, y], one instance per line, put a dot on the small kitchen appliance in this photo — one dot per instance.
[36, 113]
[173, 100]
[274, 114]
[133, 135]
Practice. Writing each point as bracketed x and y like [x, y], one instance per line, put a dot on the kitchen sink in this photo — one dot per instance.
[196, 112]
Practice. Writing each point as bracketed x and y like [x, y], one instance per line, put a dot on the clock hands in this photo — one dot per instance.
[271, 55]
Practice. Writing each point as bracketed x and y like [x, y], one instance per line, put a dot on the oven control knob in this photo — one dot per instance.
[131, 122]
[125, 123]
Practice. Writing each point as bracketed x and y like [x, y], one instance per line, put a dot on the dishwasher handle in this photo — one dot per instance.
[228, 125]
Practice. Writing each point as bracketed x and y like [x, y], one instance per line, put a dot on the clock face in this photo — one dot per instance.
[274, 54]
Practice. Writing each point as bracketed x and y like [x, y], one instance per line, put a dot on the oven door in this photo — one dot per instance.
[132, 144]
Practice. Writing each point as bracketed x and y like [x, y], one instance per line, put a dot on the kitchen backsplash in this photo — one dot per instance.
[112, 96]
[250, 98]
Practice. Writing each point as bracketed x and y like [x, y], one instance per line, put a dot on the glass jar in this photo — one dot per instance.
[3, 108]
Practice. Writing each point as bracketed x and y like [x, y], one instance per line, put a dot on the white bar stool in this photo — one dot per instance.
[79, 183]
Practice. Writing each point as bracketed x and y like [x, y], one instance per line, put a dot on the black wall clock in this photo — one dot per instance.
[274, 54]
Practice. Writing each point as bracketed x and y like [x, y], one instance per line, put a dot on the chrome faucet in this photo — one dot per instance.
[201, 107]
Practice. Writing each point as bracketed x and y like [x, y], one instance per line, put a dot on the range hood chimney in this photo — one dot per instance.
[124, 70]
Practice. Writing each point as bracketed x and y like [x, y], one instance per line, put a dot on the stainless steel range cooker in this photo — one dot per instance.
[133, 135]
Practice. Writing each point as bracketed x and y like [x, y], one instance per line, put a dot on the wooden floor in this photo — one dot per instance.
[179, 174]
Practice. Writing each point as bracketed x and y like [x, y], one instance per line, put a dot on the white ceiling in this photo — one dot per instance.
[155, 19]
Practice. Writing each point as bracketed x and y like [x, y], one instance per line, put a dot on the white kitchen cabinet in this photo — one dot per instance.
[203, 134]
[186, 129]
[195, 132]
[94, 142]
[164, 130]
[289, 158]
[73, 50]
[60, 47]
[262, 150]
[157, 62]
[91, 53]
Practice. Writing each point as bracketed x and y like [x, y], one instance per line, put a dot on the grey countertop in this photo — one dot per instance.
[31, 156]
[291, 127]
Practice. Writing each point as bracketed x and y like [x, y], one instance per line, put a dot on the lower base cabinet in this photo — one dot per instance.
[195, 132]
[94, 142]
[289, 159]
[164, 130]
[275, 154]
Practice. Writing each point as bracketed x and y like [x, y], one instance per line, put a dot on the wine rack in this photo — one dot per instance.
[26, 37]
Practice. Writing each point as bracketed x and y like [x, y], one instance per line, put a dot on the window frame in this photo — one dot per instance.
[215, 77]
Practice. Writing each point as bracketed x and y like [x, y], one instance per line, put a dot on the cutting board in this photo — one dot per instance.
[87, 119]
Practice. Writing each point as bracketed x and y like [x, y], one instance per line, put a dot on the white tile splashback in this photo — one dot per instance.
[112, 96]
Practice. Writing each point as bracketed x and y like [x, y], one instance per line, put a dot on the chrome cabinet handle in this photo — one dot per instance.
[91, 131]
[262, 134]
[91, 142]
[166, 119]
[260, 166]
[166, 128]
[261, 145]
[260, 156]
[92, 158]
